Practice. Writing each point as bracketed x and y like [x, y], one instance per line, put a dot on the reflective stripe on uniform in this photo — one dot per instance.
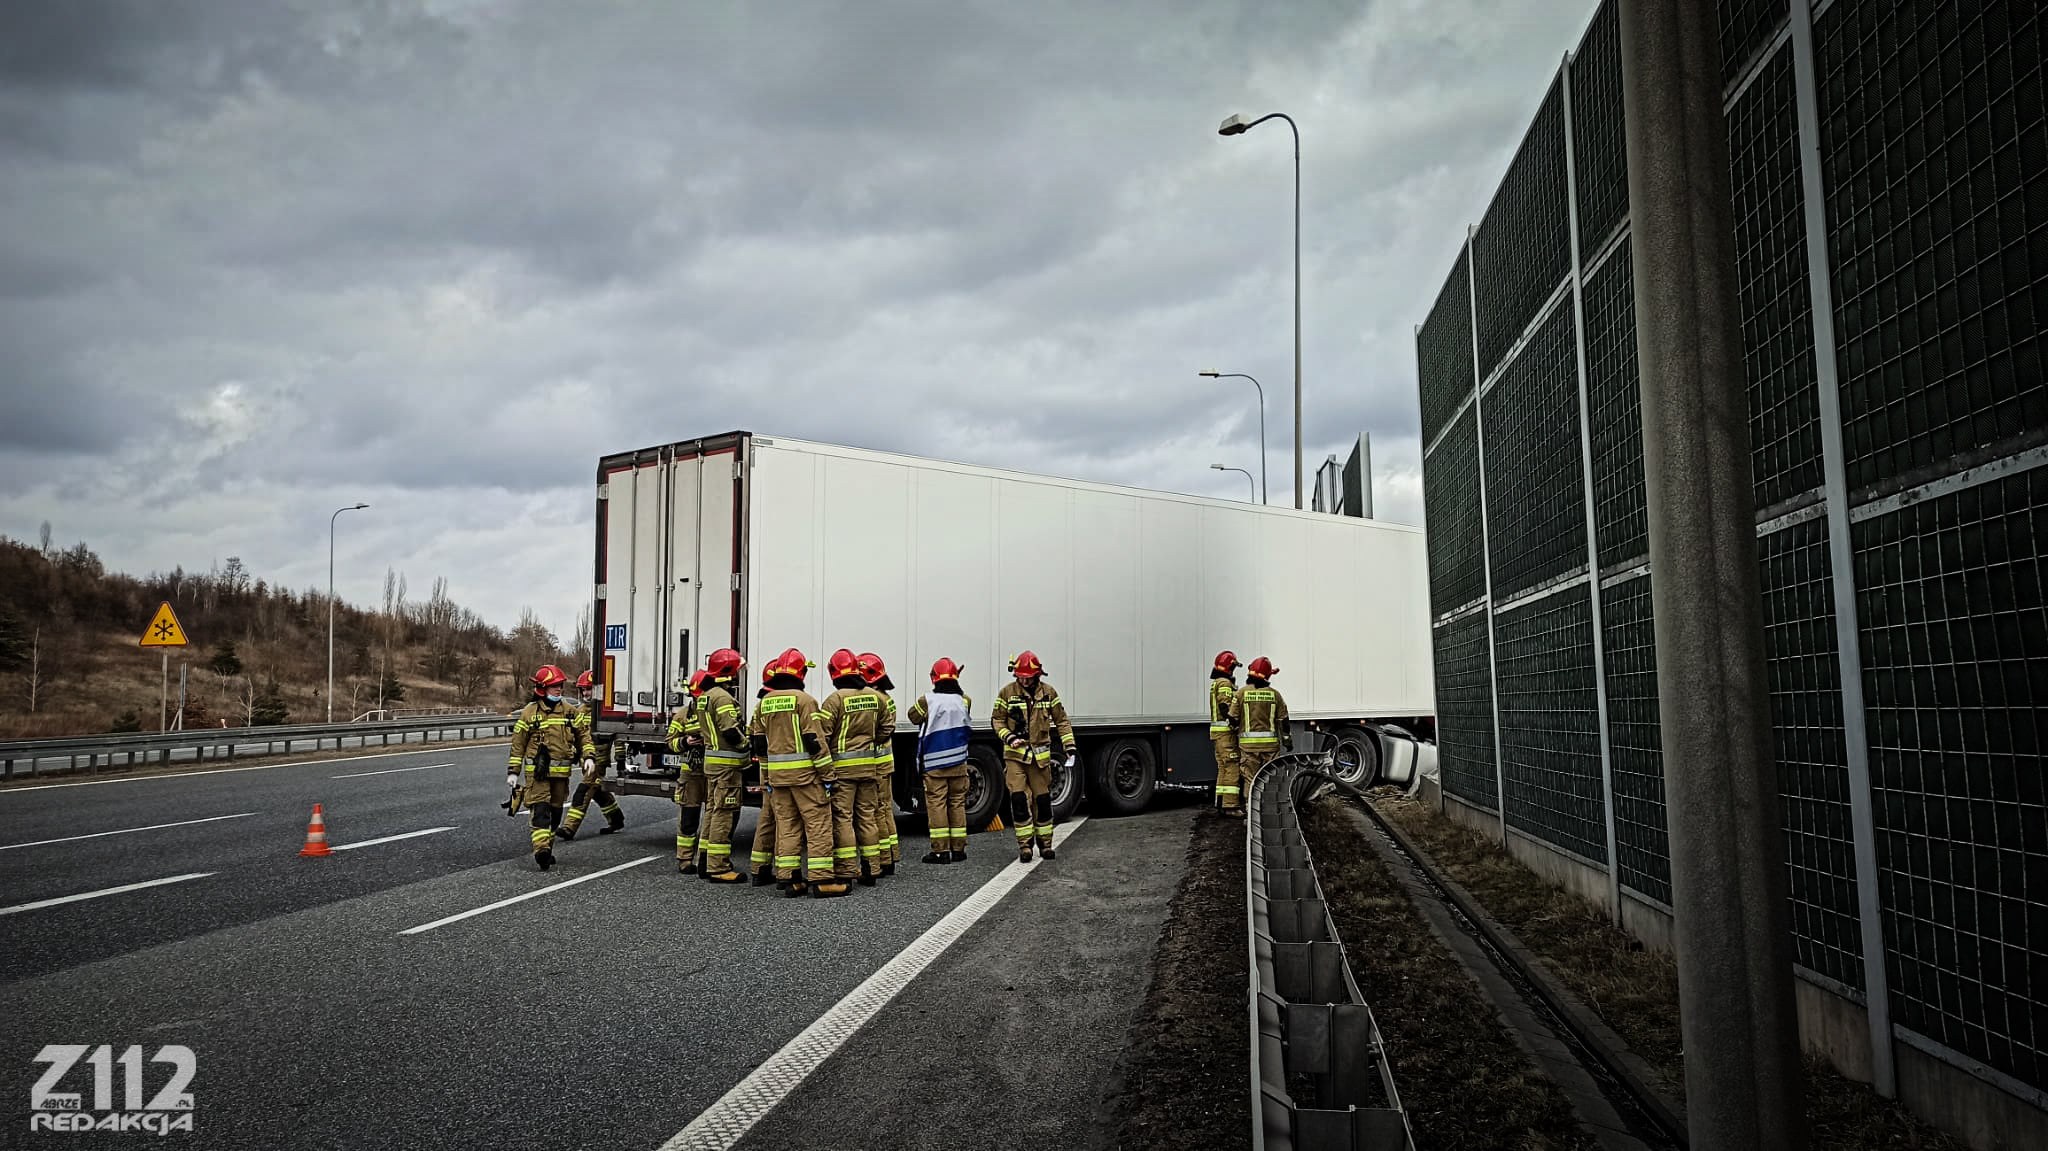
[1222, 790]
[788, 757]
[818, 862]
[721, 758]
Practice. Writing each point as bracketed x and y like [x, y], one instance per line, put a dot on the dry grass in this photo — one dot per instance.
[1633, 989]
[1463, 1080]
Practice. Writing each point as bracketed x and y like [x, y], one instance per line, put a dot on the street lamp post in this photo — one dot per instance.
[330, 603]
[1238, 125]
[1265, 493]
[1249, 484]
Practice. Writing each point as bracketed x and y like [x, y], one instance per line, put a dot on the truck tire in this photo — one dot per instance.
[1067, 789]
[1358, 756]
[984, 785]
[1122, 776]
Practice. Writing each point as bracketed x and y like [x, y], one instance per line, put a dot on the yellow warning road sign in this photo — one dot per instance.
[164, 629]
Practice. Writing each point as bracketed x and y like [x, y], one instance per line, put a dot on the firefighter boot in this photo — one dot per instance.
[1020, 815]
[936, 856]
[614, 818]
[831, 888]
[722, 872]
[959, 855]
[765, 875]
[869, 870]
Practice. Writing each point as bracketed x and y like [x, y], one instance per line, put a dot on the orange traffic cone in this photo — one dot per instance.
[316, 836]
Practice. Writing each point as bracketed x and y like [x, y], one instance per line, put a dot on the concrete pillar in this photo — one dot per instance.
[1728, 884]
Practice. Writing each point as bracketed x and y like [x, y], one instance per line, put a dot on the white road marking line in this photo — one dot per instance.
[223, 770]
[40, 903]
[390, 771]
[127, 830]
[534, 894]
[728, 1120]
[389, 839]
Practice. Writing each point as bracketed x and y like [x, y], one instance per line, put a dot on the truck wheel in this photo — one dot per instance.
[984, 785]
[1358, 757]
[1123, 773]
[1066, 790]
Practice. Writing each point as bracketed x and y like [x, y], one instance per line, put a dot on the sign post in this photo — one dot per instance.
[164, 631]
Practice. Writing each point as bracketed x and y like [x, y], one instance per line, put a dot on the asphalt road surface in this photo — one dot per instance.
[609, 1012]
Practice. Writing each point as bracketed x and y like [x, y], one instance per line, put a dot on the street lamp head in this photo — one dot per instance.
[1233, 126]
[1218, 468]
[1211, 374]
[359, 507]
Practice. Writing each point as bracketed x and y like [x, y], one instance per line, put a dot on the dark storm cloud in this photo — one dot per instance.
[263, 258]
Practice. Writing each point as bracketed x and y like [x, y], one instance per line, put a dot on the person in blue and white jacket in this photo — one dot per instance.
[942, 719]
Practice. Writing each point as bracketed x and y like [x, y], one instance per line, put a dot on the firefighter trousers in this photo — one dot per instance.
[689, 811]
[845, 844]
[945, 805]
[763, 856]
[869, 830]
[1030, 787]
[545, 797]
[722, 787]
[1229, 770]
[885, 786]
[803, 829]
[590, 790]
[1251, 759]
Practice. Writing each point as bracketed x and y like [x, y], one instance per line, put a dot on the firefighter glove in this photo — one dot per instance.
[511, 779]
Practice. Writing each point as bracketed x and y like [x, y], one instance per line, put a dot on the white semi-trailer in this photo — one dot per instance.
[762, 543]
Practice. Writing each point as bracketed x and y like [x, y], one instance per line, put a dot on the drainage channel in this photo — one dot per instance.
[1647, 1119]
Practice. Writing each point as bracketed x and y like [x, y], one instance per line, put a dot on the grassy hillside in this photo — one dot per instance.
[69, 663]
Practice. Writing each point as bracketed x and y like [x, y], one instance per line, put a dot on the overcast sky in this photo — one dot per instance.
[262, 259]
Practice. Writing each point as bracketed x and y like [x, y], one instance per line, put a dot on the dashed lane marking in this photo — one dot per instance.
[126, 887]
[536, 893]
[126, 831]
[390, 838]
[725, 1122]
[390, 771]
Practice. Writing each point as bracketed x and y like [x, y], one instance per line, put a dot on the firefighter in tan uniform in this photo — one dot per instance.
[1259, 719]
[591, 787]
[545, 742]
[1032, 723]
[1223, 737]
[849, 720]
[721, 730]
[794, 766]
[763, 857]
[942, 720]
[683, 742]
[877, 677]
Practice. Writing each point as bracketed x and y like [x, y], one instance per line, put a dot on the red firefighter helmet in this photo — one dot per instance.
[843, 663]
[699, 682]
[871, 667]
[549, 676]
[790, 662]
[1226, 661]
[584, 681]
[724, 663]
[1262, 667]
[1026, 665]
[946, 669]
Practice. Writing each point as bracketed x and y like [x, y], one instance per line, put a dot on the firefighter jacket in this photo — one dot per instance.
[787, 736]
[585, 724]
[548, 731]
[885, 739]
[1035, 717]
[679, 727]
[1222, 697]
[942, 725]
[851, 722]
[722, 727]
[1260, 719]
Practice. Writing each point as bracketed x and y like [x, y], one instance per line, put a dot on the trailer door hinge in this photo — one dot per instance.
[600, 591]
[604, 491]
[737, 579]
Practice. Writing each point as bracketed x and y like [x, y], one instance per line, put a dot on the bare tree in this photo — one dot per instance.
[35, 657]
[49, 548]
[584, 650]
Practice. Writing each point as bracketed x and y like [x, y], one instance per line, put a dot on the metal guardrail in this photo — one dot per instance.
[1319, 1074]
[125, 749]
